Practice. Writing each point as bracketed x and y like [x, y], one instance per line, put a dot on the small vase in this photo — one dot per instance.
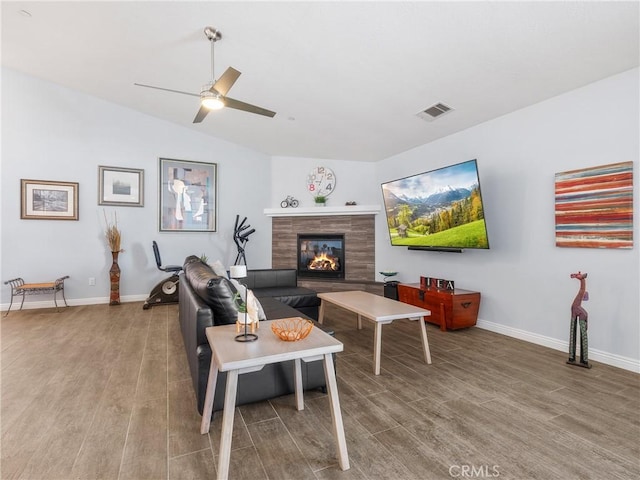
[114, 275]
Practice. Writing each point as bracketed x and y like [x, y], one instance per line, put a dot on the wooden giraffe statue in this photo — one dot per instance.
[579, 316]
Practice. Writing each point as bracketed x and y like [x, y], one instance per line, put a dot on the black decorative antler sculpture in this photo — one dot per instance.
[241, 237]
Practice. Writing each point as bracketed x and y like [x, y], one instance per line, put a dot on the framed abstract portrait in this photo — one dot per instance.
[187, 196]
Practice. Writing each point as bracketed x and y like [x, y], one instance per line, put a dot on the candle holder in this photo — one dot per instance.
[237, 272]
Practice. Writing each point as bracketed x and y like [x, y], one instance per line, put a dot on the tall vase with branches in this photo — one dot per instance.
[113, 240]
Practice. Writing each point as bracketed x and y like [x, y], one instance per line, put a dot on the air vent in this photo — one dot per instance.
[434, 111]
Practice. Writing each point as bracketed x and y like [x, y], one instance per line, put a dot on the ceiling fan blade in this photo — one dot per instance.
[167, 89]
[201, 114]
[226, 81]
[238, 105]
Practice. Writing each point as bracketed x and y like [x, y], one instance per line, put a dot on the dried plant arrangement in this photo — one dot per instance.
[113, 233]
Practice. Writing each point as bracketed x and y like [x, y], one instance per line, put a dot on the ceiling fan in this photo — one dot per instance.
[214, 94]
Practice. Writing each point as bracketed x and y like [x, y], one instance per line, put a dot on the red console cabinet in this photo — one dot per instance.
[449, 309]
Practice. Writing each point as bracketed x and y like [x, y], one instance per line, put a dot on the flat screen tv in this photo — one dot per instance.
[437, 210]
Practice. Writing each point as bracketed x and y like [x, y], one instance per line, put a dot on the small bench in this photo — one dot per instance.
[19, 288]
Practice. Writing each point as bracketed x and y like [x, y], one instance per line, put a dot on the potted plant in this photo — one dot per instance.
[242, 307]
[320, 200]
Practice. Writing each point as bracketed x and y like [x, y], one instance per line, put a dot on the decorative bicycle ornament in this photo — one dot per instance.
[289, 202]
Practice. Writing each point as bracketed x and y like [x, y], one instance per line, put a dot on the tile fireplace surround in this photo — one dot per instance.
[359, 235]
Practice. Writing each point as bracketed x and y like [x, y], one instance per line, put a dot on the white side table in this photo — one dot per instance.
[237, 358]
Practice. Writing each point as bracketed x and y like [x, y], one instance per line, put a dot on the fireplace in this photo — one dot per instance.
[321, 255]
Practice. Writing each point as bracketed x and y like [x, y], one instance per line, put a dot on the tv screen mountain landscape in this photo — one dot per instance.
[438, 209]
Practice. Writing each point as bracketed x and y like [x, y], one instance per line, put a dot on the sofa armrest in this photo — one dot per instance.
[194, 315]
[272, 277]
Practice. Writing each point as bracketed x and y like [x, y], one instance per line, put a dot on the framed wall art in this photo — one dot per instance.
[594, 207]
[48, 200]
[188, 196]
[122, 187]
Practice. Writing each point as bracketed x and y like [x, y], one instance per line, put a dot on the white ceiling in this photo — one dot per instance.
[345, 78]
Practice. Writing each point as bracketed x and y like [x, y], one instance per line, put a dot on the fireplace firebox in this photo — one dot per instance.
[321, 255]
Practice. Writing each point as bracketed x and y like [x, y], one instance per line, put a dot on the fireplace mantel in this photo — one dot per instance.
[322, 211]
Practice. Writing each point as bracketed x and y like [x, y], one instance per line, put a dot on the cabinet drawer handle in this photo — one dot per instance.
[466, 304]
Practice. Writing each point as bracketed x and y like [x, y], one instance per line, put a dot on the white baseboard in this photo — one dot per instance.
[32, 305]
[596, 355]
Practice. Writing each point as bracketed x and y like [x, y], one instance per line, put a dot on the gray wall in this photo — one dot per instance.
[53, 133]
[524, 277]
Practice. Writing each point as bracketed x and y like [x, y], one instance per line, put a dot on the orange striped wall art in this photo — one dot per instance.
[594, 207]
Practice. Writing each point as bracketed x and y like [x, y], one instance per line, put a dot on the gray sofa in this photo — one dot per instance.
[206, 300]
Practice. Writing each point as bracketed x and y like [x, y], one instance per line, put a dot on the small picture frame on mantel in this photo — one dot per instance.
[120, 187]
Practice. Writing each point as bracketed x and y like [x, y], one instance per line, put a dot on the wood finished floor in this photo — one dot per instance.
[99, 392]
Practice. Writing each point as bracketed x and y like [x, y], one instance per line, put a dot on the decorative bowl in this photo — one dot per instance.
[292, 329]
[388, 274]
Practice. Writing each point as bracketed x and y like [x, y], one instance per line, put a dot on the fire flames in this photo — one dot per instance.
[322, 261]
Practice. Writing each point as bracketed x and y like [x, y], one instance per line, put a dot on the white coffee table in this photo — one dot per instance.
[380, 310]
[237, 358]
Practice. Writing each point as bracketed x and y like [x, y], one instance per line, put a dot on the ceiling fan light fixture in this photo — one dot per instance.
[213, 96]
[211, 100]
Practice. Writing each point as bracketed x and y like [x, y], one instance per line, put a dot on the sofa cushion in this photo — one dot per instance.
[219, 269]
[242, 290]
[296, 297]
[277, 277]
[275, 309]
[217, 292]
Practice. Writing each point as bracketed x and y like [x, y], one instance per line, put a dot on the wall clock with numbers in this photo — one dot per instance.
[321, 181]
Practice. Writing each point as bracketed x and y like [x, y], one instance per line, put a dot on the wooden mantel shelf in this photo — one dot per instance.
[322, 211]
